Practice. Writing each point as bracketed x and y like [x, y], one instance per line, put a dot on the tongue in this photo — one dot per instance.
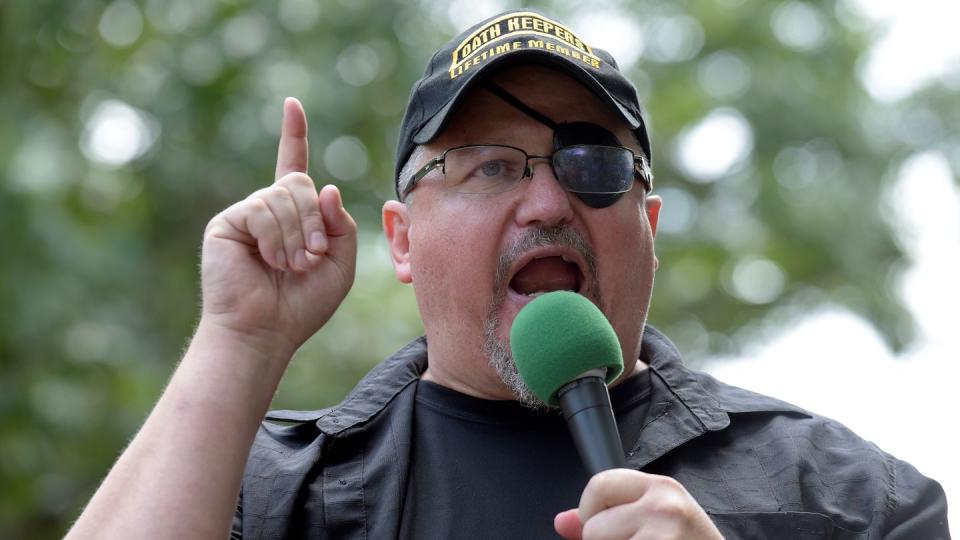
[544, 275]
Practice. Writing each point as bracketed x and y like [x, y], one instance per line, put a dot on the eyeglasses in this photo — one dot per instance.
[584, 168]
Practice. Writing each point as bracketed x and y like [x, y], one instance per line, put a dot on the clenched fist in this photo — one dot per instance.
[276, 265]
[623, 503]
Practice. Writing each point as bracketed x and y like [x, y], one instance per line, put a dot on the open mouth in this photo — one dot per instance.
[547, 272]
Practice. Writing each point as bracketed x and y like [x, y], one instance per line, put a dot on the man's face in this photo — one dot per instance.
[474, 260]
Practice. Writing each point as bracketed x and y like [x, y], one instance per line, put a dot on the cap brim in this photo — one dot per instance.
[435, 125]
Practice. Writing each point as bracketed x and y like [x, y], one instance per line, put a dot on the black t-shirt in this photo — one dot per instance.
[495, 469]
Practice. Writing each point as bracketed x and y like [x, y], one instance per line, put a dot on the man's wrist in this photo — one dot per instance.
[229, 374]
[266, 352]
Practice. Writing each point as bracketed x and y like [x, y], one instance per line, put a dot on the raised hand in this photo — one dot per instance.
[276, 265]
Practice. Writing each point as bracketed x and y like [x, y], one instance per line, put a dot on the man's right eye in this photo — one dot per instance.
[489, 176]
[491, 168]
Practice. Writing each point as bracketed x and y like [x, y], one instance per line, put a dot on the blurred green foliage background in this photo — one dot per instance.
[126, 125]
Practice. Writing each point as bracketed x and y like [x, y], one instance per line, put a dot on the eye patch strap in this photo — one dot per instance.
[519, 105]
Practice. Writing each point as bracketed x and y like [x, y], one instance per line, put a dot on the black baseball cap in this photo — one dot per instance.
[514, 37]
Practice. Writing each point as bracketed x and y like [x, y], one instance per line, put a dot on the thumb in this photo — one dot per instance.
[567, 524]
[339, 225]
[336, 220]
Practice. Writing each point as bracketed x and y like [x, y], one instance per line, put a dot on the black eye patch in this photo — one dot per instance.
[574, 133]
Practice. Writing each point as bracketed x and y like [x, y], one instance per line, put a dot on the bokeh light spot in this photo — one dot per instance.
[799, 25]
[714, 146]
[466, 13]
[245, 35]
[756, 280]
[614, 32]
[116, 134]
[346, 158]
[358, 64]
[121, 24]
[674, 38]
[724, 75]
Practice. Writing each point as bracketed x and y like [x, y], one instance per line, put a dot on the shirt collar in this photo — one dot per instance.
[694, 402]
[686, 404]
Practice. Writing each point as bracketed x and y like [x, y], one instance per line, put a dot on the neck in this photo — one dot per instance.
[486, 386]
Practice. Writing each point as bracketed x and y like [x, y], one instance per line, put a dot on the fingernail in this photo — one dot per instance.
[281, 259]
[300, 259]
[318, 241]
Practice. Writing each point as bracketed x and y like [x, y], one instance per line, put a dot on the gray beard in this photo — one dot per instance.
[498, 353]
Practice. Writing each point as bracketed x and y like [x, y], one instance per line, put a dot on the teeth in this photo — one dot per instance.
[566, 258]
[536, 294]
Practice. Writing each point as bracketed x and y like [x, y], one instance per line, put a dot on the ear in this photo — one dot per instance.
[396, 226]
[653, 204]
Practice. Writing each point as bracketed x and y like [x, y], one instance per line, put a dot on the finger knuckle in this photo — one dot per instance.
[257, 204]
[671, 507]
[594, 485]
[212, 225]
[666, 483]
[298, 179]
[215, 227]
[279, 193]
[597, 484]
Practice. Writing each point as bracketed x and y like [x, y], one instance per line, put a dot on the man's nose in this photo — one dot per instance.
[545, 202]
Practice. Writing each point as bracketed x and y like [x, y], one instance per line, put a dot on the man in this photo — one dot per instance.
[523, 167]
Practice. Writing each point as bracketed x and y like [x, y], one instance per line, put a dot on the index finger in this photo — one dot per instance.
[293, 154]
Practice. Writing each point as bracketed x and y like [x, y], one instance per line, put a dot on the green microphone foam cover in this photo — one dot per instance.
[559, 336]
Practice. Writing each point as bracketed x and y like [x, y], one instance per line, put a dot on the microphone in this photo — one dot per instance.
[567, 352]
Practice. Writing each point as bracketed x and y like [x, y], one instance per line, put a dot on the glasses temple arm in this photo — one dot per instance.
[417, 176]
[646, 174]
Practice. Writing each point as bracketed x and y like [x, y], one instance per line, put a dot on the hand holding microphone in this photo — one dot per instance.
[566, 351]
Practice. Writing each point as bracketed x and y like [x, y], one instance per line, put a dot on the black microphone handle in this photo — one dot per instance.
[585, 403]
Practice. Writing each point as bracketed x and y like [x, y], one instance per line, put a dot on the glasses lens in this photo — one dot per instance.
[594, 169]
[483, 169]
